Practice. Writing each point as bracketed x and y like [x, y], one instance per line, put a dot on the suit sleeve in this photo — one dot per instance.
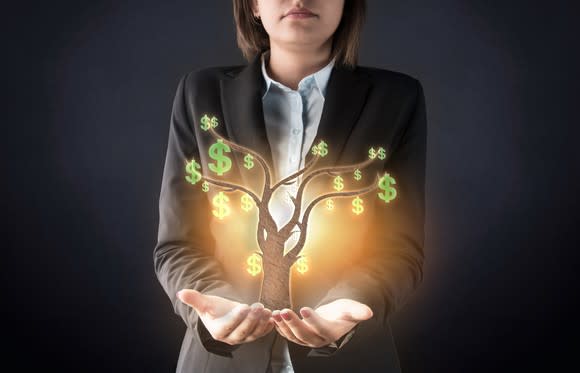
[386, 277]
[183, 256]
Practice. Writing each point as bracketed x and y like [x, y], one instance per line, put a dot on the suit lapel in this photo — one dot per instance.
[346, 94]
[244, 118]
[242, 108]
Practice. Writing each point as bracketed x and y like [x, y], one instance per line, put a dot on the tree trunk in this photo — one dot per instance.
[275, 290]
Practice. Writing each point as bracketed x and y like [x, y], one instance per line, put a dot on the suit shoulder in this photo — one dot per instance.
[210, 74]
[394, 80]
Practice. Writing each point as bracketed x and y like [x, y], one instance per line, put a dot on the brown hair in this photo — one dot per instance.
[252, 37]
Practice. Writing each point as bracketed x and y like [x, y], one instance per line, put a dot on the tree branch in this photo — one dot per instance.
[292, 254]
[286, 180]
[339, 194]
[240, 148]
[232, 187]
[299, 195]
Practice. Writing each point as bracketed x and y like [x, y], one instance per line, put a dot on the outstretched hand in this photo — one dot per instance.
[229, 321]
[322, 326]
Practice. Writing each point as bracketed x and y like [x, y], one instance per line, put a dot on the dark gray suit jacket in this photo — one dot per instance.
[375, 258]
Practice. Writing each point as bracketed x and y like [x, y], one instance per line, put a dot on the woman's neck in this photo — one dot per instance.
[289, 67]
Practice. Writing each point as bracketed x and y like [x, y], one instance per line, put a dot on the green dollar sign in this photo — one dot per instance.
[249, 161]
[205, 186]
[357, 206]
[372, 153]
[205, 122]
[191, 168]
[214, 122]
[314, 149]
[381, 153]
[338, 184]
[357, 174]
[389, 192]
[322, 148]
[216, 152]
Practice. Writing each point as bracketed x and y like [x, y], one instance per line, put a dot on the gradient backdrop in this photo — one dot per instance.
[87, 93]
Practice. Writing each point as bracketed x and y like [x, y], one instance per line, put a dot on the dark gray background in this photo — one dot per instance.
[87, 93]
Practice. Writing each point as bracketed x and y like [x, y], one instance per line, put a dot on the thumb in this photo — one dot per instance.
[195, 299]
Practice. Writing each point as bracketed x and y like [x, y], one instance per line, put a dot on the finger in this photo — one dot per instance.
[318, 324]
[263, 327]
[226, 325]
[284, 329]
[301, 330]
[247, 325]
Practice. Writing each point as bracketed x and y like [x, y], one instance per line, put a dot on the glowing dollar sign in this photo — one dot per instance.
[246, 203]
[329, 204]
[249, 161]
[205, 186]
[314, 149]
[214, 122]
[254, 264]
[221, 202]
[205, 122]
[322, 148]
[357, 206]
[191, 168]
[216, 152]
[389, 193]
[372, 153]
[302, 267]
[338, 184]
[381, 154]
[357, 174]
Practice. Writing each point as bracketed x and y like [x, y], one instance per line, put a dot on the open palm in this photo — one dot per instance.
[322, 326]
[229, 321]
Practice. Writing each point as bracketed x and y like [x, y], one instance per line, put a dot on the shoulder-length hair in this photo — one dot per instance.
[252, 37]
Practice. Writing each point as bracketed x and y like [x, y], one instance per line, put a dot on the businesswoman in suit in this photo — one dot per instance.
[305, 49]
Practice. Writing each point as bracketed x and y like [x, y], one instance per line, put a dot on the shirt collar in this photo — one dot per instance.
[319, 78]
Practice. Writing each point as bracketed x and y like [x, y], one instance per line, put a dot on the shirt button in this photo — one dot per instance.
[296, 131]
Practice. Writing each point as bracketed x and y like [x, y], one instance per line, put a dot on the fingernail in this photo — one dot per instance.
[305, 312]
[277, 317]
[286, 315]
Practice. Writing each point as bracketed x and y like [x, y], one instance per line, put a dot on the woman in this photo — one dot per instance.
[302, 84]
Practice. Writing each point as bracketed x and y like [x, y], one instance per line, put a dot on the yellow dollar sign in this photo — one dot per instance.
[357, 206]
[338, 183]
[254, 264]
[221, 202]
[329, 204]
[302, 267]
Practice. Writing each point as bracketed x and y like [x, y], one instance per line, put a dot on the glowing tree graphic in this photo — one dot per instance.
[275, 287]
